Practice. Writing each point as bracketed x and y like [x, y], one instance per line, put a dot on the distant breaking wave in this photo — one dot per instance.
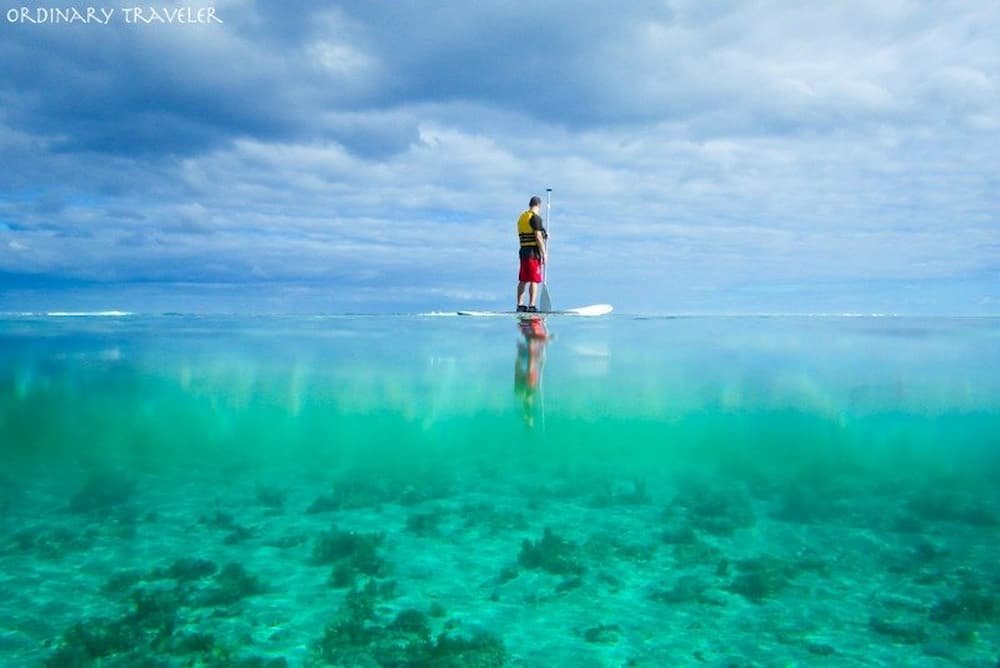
[89, 314]
[64, 314]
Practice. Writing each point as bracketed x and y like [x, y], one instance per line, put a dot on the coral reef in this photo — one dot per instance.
[148, 630]
[552, 554]
[360, 637]
[974, 604]
[187, 568]
[761, 578]
[686, 589]
[898, 631]
[952, 506]
[103, 489]
[603, 634]
[271, 497]
[222, 520]
[351, 553]
[363, 489]
[51, 542]
[424, 523]
[604, 545]
[230, 585]
[609, 492]
[720, 512]
[486, 516]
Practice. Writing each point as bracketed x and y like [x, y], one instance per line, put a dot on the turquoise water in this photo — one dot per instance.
[432, 490]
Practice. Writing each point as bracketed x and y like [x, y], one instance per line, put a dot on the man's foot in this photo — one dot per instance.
[521, 308]
[532, 309]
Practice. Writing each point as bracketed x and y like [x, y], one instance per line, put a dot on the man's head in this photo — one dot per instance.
[534, 201]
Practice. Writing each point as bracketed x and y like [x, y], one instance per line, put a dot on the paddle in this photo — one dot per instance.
[545, 303]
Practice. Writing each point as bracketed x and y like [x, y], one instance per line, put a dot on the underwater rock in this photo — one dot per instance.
[218, 520]
[193, 643]
[820, 649]
[239, 534]
[603, 634]
[481, 650]
[487, 516]
[687, 589]
[715, 511]
[971, 604]
[605, 545]
[271, 497]
[342, 576]
[507, 573]
[222, 520]
[122, 581]
[156, 608]
[569, 584]
[187, 569]
[93, 639]
[357, 637]
[288, 541]
[360, 601]
[52, 542]
[352, 553]
[358, 491]
[372, 489]
[551, 554]
[324, 503]
[945, 506]
[230, 585]
[411, 621]
[926, 551]
[683, 535]
[761, 578]
[258, 662]
[345, 640]
[697, 553]
[806, 505]
[102, 490]
[910, 634]
[424, 524]
[619, 493]
[147, 626]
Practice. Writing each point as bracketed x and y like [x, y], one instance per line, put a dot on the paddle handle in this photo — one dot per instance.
[548, 226]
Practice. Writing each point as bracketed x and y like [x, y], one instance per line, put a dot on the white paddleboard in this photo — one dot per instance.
[592, 310]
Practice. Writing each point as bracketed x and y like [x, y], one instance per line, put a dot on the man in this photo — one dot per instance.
[528, 364]
[532, 235]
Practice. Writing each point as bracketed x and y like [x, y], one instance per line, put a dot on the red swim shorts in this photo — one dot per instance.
[531, 270]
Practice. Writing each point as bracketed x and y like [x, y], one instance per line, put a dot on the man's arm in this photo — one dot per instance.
[540, 235]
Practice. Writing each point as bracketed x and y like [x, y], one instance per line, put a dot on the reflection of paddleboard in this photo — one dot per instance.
[592, 310]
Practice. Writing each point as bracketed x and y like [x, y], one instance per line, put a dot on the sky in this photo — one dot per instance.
[704, 156]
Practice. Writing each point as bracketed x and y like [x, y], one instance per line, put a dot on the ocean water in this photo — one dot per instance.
[446, 491]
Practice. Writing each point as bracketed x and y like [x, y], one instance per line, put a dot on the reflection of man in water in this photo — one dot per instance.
[528, 365]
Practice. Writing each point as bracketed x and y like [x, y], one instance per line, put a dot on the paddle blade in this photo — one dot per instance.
[544, 302]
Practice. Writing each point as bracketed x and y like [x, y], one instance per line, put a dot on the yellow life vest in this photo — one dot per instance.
[525, 232]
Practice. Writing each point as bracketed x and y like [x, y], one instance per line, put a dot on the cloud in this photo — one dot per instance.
[351, 145]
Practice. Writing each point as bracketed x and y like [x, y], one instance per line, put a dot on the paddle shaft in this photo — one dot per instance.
[548, 225]
[546, 299]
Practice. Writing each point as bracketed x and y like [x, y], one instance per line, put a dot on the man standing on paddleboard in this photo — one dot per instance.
[532, 235]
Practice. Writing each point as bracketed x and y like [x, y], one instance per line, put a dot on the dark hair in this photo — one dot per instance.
[534, 201]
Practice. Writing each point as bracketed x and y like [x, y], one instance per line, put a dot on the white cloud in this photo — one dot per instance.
[687, 143]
